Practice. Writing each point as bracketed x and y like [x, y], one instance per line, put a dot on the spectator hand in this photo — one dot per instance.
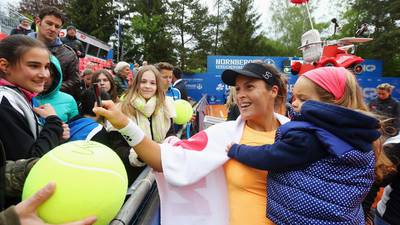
[26, 210]
[45, 110]
[172, 140]
[228, 147]
[66, 134]
[111, 113]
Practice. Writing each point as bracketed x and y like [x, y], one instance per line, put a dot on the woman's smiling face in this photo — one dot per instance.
[253, 98]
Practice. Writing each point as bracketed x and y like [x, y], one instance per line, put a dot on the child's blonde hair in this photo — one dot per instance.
[133, 92]
[231, 100]
[352, 97]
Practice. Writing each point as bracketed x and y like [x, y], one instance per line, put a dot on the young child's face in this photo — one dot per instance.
[88, 80]
[148, 85]
[32, 70]
[48, 82]
[166, 76]
[303, 90]
[104, 83]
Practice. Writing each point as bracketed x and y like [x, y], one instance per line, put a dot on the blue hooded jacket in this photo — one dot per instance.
[321, 166]
[64, 104]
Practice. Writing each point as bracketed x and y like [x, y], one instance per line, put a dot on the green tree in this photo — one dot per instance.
[95, 17]
[270, 47]
[193, 30]
[240, 35]
[289, 23]
[31, 8]
[148, 38]
[386, 35]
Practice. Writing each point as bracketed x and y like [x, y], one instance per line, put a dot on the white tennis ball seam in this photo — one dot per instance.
[51, 155]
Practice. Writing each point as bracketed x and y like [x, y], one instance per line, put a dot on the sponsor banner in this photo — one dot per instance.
[372, 68]
[218, 64]
[211, 84]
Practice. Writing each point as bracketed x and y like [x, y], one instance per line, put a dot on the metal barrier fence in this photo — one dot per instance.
[200, 110]
[137, 193]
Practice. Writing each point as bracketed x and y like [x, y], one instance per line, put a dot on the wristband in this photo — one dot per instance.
[132, 134]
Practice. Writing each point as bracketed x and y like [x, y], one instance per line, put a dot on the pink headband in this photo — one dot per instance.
[331, 79]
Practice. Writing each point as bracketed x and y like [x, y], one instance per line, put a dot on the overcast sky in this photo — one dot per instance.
[325, 11]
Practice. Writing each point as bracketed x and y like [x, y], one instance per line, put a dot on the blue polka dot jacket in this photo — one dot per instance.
[321, 165]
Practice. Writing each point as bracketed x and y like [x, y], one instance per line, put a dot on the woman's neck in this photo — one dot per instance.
[268, 123]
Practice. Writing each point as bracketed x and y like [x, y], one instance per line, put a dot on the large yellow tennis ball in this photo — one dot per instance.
[90, 180]
[184, 111]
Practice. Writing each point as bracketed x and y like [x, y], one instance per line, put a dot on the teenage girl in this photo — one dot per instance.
[24, 69]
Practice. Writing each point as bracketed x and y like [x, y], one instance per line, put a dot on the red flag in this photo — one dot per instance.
[299, 1]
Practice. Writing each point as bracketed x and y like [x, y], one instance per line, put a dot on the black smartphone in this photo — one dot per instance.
[97, 93]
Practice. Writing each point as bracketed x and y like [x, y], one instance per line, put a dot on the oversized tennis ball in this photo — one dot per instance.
[90, 180]
[184, 112]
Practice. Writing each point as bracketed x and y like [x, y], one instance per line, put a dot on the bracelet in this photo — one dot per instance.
[132, 133]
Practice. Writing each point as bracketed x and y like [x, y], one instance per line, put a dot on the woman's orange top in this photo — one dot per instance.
[247, 192]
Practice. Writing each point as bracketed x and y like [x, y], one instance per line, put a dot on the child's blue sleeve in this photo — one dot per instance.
[294, 150]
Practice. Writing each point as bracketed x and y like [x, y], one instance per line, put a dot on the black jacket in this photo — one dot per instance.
[388, 108]
[20, 30]
[20, 132]
[390, 201]
[70, 68]
[182, 88]
[75, 44]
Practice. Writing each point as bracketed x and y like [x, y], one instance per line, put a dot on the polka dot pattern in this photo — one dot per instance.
[329, 191]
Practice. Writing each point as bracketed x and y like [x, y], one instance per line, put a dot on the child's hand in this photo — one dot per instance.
[45, 110]
[66, 134]
[228, 147]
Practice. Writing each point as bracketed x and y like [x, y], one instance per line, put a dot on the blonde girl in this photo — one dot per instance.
[146, 104]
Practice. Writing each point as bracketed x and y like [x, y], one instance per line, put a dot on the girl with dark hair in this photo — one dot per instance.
[24, 69]
[106, 82]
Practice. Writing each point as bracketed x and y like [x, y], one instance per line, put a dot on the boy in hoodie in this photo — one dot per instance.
[64, 104]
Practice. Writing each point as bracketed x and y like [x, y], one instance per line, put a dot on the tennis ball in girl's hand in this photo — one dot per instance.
[184, 112]
[90, 181]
